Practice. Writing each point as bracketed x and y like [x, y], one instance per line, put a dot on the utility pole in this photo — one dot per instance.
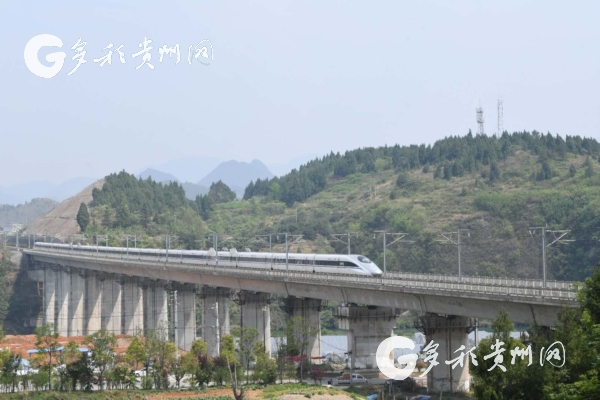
[448, 239]
[295, 239]
[174, 315]
[396, 237]
[260, 238]
[557, 239]
[218, 332]
[337, 237]
[98, 238]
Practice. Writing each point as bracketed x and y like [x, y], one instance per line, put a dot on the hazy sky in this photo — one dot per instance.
[288, 79]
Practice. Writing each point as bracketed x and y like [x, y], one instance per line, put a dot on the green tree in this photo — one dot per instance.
[494, 382]
[495, 173]
[219, 192]
[106, 218]
[589, 167]
[546, 171]
[245, 350]
[228, 348]
[136, 352]
[102, 346]
[83, 217]
[299, 333]
[265, 370]
[47, 342]
[572, 170]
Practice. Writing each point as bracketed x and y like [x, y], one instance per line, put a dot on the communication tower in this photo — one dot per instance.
[500, 117]
[480, 119]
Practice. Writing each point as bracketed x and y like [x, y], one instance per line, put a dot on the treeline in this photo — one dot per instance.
[131, 201]
[137, 200]
[534, 372]
[452, 156]
[151, 360]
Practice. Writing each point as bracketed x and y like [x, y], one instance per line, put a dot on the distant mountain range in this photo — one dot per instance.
[195, 174]
[190, 169]
[25, 213]
[24, 192]
[237, 175]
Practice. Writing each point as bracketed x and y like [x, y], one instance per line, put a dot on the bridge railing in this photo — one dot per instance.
[533, 283]
[407, 281]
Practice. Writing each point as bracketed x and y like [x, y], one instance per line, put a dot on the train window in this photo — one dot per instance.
[364, 259]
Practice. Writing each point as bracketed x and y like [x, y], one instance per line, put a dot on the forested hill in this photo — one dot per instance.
[495, 187]
[26, 212]
[454, 156]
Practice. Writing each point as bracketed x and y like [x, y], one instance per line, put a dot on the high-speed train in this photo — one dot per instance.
[351, 264]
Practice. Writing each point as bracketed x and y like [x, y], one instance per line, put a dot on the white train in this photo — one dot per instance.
[351, 264]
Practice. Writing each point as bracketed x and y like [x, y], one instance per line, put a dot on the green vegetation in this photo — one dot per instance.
[83, 217]
[578, 330]
[26, 212]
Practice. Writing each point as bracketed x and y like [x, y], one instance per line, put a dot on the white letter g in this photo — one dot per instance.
[31, 56]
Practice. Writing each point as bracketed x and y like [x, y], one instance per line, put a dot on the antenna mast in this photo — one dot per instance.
[500, 117]
[480, 120]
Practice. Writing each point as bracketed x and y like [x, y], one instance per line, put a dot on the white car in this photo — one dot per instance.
[345, 379]
[142, 372]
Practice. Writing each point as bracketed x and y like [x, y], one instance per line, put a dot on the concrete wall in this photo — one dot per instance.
[215, 306]
[256, 314]
[133, 306]
[367, 327]
[76, 305]
[93, 302]
[186, 316]
[111, 304]
[450, 333]
[155, 308]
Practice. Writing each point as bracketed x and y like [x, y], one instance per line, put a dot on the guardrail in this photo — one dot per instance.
[533, 283]
[404, 282]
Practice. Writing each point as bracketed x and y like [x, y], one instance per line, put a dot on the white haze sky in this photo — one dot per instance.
[289, 78]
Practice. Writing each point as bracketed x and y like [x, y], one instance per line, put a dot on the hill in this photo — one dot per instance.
[494, 187]
[62, 219]
[237, 174]
[24, 192]
[24, 213]
[190, 169]
[157, 176]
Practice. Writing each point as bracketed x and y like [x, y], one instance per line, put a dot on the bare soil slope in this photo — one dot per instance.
[62, 219]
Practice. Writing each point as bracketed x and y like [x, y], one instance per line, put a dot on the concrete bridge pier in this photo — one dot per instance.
[309, 309]
[186, 315]
[155, 308]
[76, 303]
[215, 307]
[111, 312]
[256, 314]
[50, 278]
[133, 306]
[63, 291]
[367, 327]
[450, 332]
[93, 302]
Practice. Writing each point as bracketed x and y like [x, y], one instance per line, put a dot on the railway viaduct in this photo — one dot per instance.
[83, 293]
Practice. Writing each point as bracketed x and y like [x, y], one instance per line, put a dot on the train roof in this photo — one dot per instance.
[221, 253]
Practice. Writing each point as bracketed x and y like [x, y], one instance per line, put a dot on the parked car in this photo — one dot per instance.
[345, 379]
[142, 372]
